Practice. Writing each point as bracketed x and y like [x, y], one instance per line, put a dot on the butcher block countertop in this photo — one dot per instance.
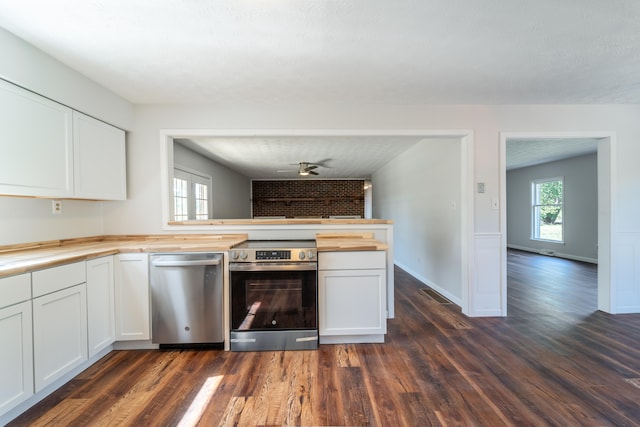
[18, 259]
[331, 242]
[284, 221]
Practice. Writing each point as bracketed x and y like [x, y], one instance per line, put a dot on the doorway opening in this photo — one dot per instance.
[594, 150]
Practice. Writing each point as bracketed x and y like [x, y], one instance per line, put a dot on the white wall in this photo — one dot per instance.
[580, 213]
[141, 213]
[24, 220]
[31, 220]
[29, 67]
[231, 190]
[420, 190]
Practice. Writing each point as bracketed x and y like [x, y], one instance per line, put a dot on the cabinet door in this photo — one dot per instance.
[352, 302]
[16, 356]
[36, 145]
[59, 334]
[132, 297]
[99, 159]
[100, 304]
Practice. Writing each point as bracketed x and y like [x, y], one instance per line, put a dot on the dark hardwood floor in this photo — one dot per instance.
[554, 361]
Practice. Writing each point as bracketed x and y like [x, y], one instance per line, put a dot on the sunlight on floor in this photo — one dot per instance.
[199, 404]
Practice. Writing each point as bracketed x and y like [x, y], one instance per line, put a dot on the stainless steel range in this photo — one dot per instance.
[274, 295]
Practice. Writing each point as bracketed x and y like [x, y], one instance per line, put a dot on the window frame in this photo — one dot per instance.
[193, 178]
[536, 205]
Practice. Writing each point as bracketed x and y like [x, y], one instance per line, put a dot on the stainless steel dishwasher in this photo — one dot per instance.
[186, 298]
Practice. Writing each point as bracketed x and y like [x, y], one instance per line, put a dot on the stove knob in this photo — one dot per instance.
[243, 255]
[234, 255]
[310, 255]
[301, 255]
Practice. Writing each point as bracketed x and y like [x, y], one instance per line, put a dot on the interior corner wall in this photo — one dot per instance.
[580, 213]
[33, 69]
[420, 190]
[231, 191]
[25, 220]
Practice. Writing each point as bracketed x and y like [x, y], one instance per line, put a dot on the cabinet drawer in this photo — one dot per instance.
[15, 289]
[56, 278]
[351, 260]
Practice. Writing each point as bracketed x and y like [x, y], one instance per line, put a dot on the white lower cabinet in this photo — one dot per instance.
[59, 334]
[352, 296]
[100, 304]
[16, 355]
[132, 297]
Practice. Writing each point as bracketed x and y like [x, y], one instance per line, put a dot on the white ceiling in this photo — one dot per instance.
[529, 152]
[338, 156]
[355, 156]
[267, 52]
[343, 51]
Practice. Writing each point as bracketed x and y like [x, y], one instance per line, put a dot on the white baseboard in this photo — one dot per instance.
[454, 299]
[549, 252]
[351, 339]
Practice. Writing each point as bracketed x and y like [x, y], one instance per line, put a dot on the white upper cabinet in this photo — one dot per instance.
[99, 159]
[50, 150]
[36, 144]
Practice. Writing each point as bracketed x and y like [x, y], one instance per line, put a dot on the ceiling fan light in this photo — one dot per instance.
[303, 172]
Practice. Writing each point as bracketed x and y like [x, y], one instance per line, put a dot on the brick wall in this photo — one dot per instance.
[308, 198]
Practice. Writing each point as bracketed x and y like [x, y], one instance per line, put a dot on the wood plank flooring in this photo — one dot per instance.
[553, 361]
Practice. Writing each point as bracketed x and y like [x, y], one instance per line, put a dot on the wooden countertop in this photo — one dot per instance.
[24, 258]
[332, 242]
[283, 221]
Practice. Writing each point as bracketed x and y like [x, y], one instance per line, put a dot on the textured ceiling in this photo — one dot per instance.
[354, 156]
[529, 152]
[344, 52]
[339, 156]
[332, 52]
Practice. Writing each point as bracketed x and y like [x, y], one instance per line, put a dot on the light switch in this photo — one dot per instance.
[494, 204]
[481, 187]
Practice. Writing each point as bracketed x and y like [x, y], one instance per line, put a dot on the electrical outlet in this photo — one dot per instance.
[56, 207]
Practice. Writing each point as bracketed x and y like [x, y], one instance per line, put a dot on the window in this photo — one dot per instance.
[191, 196]
[546, 202]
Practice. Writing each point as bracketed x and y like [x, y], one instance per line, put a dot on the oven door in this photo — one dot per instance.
[273, 296]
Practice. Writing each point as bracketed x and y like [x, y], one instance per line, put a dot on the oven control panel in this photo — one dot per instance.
[273, 255]
[266, 255]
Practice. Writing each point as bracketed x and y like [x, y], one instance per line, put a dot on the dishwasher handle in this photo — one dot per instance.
[185, 263]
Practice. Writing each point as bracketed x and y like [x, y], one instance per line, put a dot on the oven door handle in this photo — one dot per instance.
[272, 266]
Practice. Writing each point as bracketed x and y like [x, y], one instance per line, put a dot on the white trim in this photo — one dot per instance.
[606, 209]
[486, 293]
[467, 181]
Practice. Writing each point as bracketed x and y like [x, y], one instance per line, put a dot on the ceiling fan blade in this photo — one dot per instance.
[322, 163]
[311, 167]
[313, 173]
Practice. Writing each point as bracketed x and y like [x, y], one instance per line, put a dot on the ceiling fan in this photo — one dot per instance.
[306, 168]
